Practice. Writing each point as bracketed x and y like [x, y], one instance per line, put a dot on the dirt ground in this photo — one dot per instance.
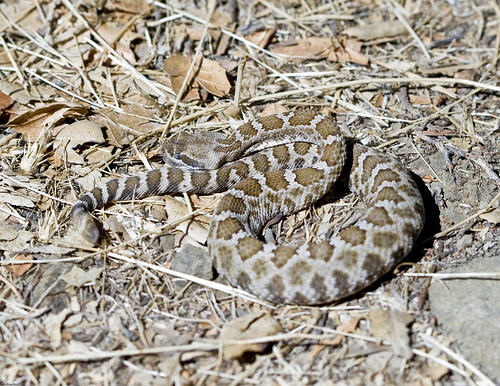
[88, 91]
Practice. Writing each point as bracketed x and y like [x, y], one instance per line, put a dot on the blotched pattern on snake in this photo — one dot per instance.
[278, 165]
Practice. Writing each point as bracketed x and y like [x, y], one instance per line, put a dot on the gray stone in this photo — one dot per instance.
[464, 242]
[193, 261]
[469, 311]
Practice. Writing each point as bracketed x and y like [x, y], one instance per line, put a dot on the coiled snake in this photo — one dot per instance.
[278, 165]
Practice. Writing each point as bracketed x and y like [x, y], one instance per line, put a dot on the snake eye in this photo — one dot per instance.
[177, 156]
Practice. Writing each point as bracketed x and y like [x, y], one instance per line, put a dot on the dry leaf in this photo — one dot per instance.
[250, 326]
[348, 326]
[16, 200]
[212, 77]
[53, 324]
[347, 50]
[135, 116]
[75, 134]
[130, 7]
[418, 100]
[16, 92]
[309, 48]
[350, 52]
[197, 229]
[113, 32]
[262, 38]
[386, 29]
[5, 103]
[34, 121]
[435, 370]
[20, 269]
[492, 216]
[177, 67]
[8, 232]
[392, 326]
[77, 277]
[273, 108]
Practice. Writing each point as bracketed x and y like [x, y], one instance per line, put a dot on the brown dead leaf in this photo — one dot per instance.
[309, 48]
[113, 32]
[348, 326]
[273, 108]
[17, 92]
[16, 200]
[135, 119]
[212, 77]
[386, 29]
[177, 67]
[132, 7]
[70, 136]
[262, 38]
[34, 121]
[350, 52]
[5, 103]
[392, 326]
[115, 132]
[345, 50]
[197, 230]
[20, 269]
[250, 326]
[428, 178]
[415, 99]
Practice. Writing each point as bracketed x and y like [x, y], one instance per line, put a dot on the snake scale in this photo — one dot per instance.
[278, 165]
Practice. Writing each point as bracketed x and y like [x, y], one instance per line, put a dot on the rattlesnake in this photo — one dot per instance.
[277, 165]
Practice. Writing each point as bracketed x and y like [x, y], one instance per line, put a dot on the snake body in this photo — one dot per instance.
[278, 165]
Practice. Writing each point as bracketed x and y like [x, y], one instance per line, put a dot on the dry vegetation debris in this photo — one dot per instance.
[88, 90]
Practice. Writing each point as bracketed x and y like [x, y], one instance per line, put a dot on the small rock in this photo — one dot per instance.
[193, 261]
[464, 242]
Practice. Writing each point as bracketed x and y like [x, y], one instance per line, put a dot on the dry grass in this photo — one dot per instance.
[89, 89]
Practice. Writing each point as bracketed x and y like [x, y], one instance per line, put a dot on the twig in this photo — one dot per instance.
[239, 81]
[458, 358]
[194, 62]
[361, 82]
[412, 32]
[494, 59]
[472, 217]
[27, 186]
[206, 283]
[448, 276]
[116, 56]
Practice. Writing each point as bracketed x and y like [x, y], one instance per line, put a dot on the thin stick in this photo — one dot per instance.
[450, 276]
[12, 61]
[362, 82]
[425, 162]
[27, 186]
[412, 32]
[472, 217]
[458, 358]
[239, 81]
[494, 60]
[224, 31]
[52, 84]
[116, 56]
[206, 283]
[187, 78]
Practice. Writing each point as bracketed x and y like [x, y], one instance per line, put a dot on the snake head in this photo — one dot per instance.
[194, 151]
